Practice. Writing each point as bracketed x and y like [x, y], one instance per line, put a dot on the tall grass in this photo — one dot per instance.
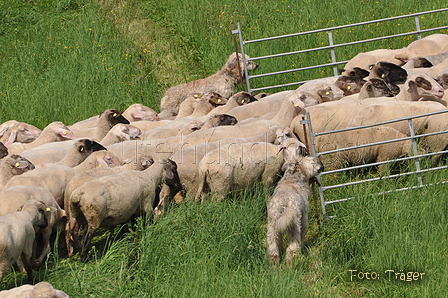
[68, 60]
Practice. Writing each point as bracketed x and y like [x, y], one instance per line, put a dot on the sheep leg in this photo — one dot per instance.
[26, 259]
[74, 232]
[46, 246]
[86, 243]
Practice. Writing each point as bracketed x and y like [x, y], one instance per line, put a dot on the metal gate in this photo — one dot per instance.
[441, 14]
[414, 157]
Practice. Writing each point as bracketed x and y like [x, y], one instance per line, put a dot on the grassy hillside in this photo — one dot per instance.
[70, 59]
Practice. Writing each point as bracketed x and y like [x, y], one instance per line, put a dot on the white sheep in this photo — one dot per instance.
[200, 104]
[112, 200]
[238, 166]
[135, 112]
[56, 177]
[40, 290]
[107, 119]
[223, 82]
[53, 132]
[14, 131]
[17, 233]
[12, 198]
[13, 165]
[288, 208]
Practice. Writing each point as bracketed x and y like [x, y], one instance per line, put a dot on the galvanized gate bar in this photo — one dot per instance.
[332, 46]
[414, 157]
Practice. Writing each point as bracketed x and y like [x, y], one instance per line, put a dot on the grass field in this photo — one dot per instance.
[70, 59]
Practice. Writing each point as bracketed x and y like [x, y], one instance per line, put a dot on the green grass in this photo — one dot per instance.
[68, 60]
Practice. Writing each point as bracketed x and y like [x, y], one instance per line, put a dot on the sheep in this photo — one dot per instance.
[21, 132]
[442, 78]
[188, 159]
[3, 150]
[57, 151]
[289, 109]
[12, 198]
[13, 165]
[135, 112]
[375, 88]
[389, 72]
[40, 290]
[121, 132]
[288, 208]
[53, 132]
[108, 201]
[200, 104]
[333, 88]
[237, 166]
[236, 100]
[261, 107]
[365, 155]
[141, 164]
[425, 61]
[223, 82]
[429, 45]
[76, 154]
[365, 59]
[17, 233]
[261, 95]
[55, 178]
[107, 119]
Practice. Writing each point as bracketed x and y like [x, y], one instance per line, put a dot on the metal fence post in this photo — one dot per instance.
[417, 27]
[415, 152]
[333, 53]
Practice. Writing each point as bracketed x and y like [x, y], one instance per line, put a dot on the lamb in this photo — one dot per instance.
[13, 165]
[135, 112]
[288, 208]
[235, 167]
[3, 150]
[223, 82]
[55, 178]
[21, 132]
[53, 132]
[200, 104]
[17, 233]
[236, 100]
[108, 201]
[40, 290]
[14, 197]
[107, 119]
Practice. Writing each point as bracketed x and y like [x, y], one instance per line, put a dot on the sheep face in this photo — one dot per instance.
[442, 79]
[215, 99]
[379, 87]
[139, 112]
[26, 133]
[389, 72]
[114, 117]
[221, 120]
[19, 164]
[243, 98]
[350, 84]
[425, 86]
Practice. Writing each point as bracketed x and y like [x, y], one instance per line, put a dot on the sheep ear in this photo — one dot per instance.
[102, 163]
[412, 86]
[12, 138]
[280, 148]
[21, 164]
[64, 133]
